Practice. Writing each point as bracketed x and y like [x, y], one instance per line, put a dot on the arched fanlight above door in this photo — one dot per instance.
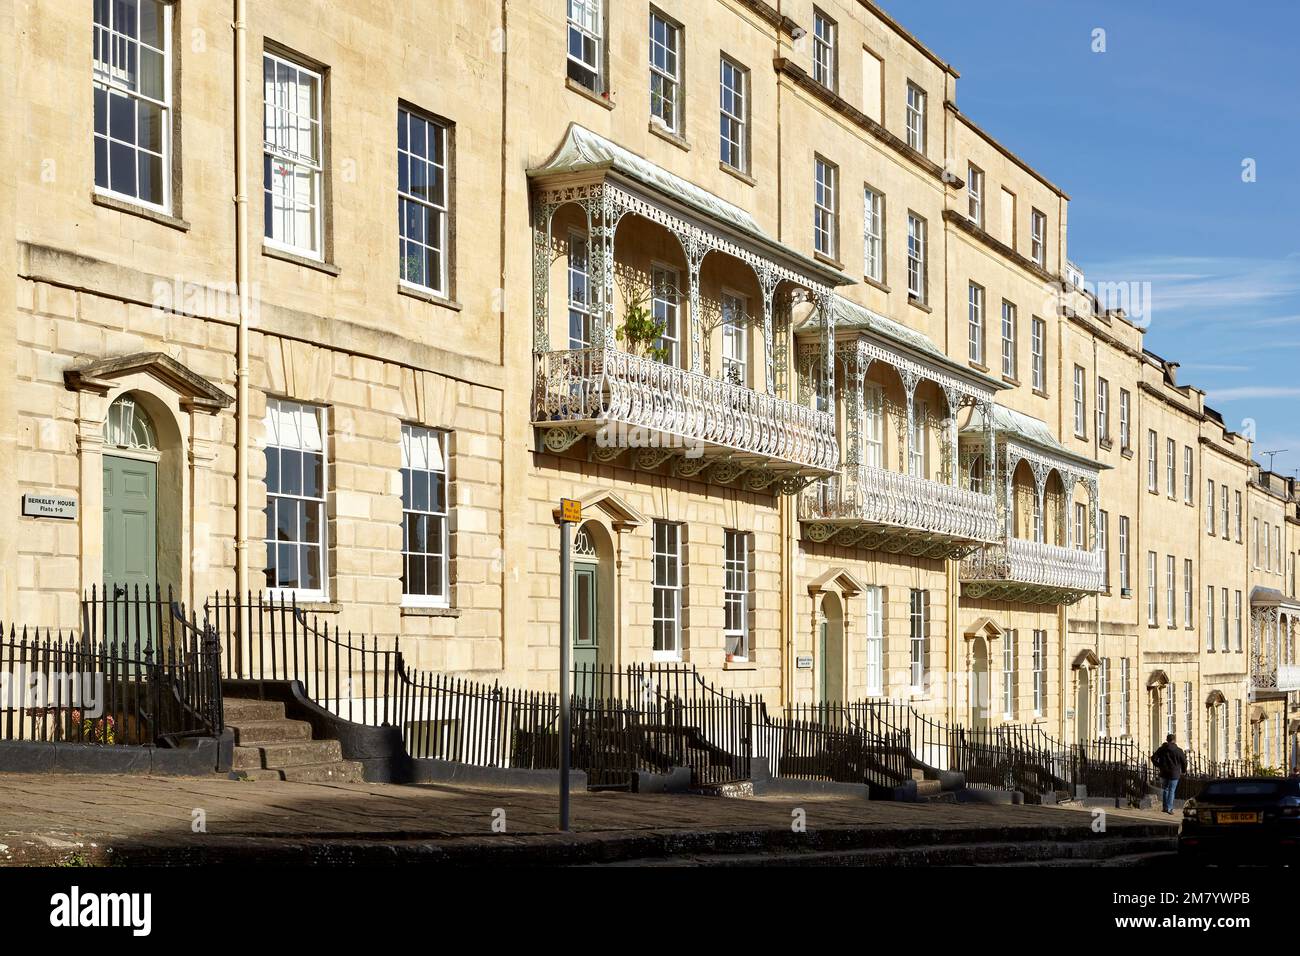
[129, 426]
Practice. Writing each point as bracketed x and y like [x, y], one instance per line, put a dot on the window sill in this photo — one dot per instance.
[1011, 380]
[1041, 393]
[582, 91]
[876, 284]
[1105, 443]
[430, 297]
[144, 212]
[415, 610]
[670, 136]
[828, 260]
[320, 607]
[978, 366]
[918, 304]
[329, 268]
[744, 177]
[739, 666]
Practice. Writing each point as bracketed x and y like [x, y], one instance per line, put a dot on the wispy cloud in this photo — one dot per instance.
[1245, 392]
[1209, 288]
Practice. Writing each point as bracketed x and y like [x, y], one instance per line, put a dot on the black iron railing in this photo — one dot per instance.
[139, 672]
[832, 742]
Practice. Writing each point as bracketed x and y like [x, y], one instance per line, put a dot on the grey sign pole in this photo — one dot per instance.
[564, 675]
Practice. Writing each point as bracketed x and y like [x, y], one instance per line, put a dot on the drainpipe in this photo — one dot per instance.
[241, 283]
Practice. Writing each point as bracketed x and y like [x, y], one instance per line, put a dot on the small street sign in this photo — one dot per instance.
[570, 510]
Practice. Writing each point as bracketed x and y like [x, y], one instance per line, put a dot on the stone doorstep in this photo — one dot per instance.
[253, 732]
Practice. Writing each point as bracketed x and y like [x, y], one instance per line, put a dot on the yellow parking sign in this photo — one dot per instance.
[570, 510]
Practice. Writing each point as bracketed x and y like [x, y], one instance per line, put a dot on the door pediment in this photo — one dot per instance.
[195, 391]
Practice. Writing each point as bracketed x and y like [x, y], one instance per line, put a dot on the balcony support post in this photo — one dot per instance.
[604, 211]
[696, 249]
[910, 381]
[824, 299]
[767, 282]
[543, 214]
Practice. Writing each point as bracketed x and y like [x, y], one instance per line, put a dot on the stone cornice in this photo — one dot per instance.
[982, 134]
[797, 75]
[997, 245]
[771, 15]
[1226, 453]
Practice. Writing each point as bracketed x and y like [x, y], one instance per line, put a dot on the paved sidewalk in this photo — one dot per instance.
[84, 819]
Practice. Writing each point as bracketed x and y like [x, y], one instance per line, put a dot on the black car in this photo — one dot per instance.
[1247, 819]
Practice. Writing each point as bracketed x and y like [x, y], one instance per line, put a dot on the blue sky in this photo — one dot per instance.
[1148, 138]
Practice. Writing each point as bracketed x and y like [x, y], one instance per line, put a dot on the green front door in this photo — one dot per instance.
[130, 525]
[586, 642]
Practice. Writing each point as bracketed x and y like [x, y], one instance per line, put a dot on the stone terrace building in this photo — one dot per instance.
[879, 440]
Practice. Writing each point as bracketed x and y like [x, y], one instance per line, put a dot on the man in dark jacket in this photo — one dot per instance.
[1170, 760]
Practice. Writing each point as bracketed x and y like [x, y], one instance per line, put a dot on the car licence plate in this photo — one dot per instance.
[1236, 818]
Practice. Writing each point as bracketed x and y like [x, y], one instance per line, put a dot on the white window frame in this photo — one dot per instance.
[276, 409]
[666, 552]
[1188, 603]
[733, 108]
[1103, 410]
[1226, 512]
[825, 40]
[1103, 547]
[1236, 610]
[1040, 671]
[873, 234]
[975, 194]
[1223, 612]
[735, 594]
[1123, 696]
[1171, 591]
[1080, 402]
[916, 252]
[412, 461]
[579, 268]
[1038, 354]
[116, 81]
[875, 624]
[915, 117]
[1103, 698]
[585, 21]
[1125, 414]
[1236, 504]
[1009, 674]
[975, 323]
[1038, 237]
[918, 638]
[665, 307]
[1009, 320]
[431, 204]
[1209, 618]
[1153, 610]
[1125, 580]
[825, 203]
[294, 159]
[1211, 502]
[1171, 469]
[666, 71]
[1080, 526]
[873, 425]
[1153, 462]
[1189, 477]
[735, 337]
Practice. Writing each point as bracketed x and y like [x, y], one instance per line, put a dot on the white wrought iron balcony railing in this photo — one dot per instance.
[1264, 676]
[633, 403]
[1032, 571]
[891, 511]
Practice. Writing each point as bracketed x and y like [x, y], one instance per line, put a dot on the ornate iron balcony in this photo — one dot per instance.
[1032, 572]
[889, 511]
[633, 404]
[1274, 678]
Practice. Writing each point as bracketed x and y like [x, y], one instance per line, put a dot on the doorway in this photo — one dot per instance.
[586, 613]
[130, 514]
[1083, 705]
[979, 684]
[830, 651]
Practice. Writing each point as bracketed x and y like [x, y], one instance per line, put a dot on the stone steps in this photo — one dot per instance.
[270, 746]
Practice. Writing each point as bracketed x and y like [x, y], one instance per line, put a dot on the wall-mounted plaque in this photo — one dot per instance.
[49, 506]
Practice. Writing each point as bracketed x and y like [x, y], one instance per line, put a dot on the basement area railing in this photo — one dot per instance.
[139, 671]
